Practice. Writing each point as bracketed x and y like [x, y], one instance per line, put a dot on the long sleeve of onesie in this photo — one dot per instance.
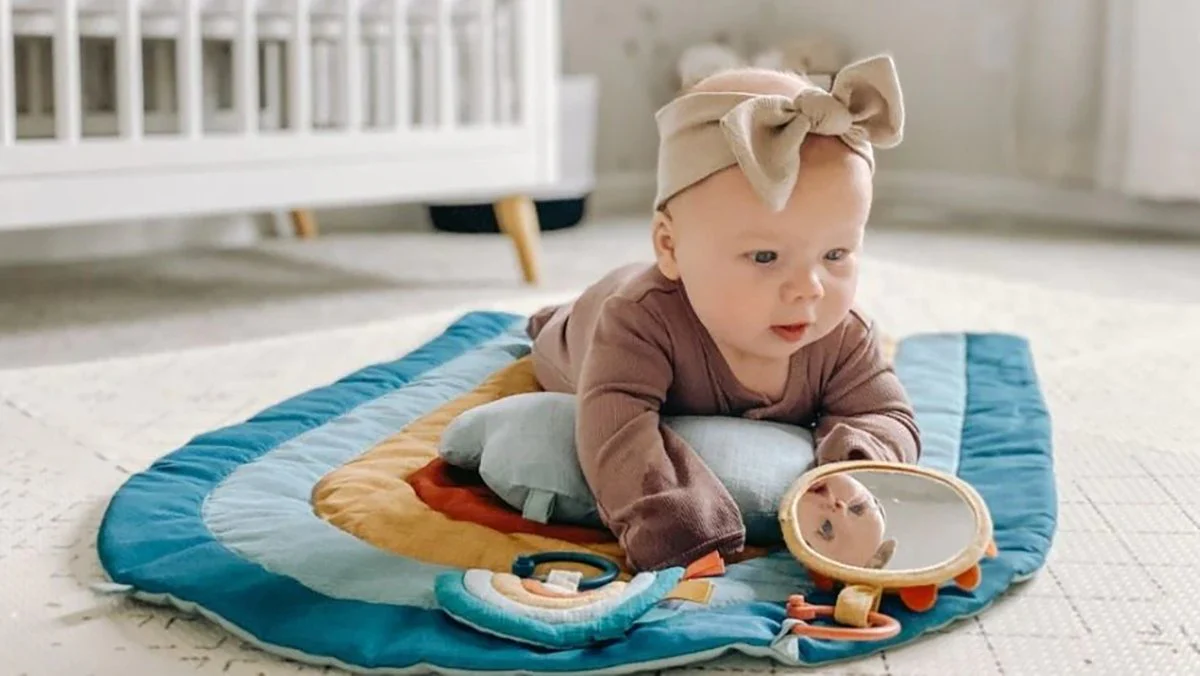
[864, 412]
[657, 496]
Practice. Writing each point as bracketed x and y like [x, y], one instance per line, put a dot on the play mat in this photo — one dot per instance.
[320, 528]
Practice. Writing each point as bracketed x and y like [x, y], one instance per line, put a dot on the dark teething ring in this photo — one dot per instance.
[524, 566]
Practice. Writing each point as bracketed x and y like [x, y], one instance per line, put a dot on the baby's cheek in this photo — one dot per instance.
[735, 299]
[842, 279]
[715, 304]
[839, 295]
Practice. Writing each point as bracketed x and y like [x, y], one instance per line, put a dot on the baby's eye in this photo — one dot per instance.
[858, 509]
[764, 257]
[836, 254]
[827, 528]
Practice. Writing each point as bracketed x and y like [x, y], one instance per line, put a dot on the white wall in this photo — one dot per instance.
[981, 96]
[1003, 97]
[959, 111]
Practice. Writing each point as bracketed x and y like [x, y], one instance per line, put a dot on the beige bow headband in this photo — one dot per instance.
[702, 133]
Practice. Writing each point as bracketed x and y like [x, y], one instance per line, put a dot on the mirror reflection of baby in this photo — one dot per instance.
[748, 308]
[842, 520]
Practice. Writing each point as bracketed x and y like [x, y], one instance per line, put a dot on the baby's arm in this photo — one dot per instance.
[866, 414]
[661, 501]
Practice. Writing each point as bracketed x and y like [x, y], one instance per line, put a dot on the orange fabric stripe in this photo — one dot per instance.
[462, 495]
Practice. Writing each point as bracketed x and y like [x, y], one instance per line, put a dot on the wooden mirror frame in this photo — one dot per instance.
[968, 557]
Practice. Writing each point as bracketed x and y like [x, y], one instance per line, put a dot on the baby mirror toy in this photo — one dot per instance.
[881, 528]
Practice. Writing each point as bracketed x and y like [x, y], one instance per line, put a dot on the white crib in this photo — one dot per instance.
[134, 109]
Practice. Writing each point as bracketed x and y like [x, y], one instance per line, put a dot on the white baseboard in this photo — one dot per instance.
[946, 196]
[1032, 200]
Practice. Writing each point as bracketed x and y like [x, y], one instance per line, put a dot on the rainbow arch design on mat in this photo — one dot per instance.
[224, 527]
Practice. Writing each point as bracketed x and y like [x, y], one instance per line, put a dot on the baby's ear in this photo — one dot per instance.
[664, 245]
[883, 554]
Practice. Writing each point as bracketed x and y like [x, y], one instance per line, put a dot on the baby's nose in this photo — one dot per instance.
[805, 284]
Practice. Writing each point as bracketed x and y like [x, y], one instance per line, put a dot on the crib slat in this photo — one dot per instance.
[129, 71]
[487, 63]
[299, 59]
[68, 114]
[538, 82]
[447, 67]
[8, 78]
[505, 65]
[428, 79]
[188, 64]
[401, 68]
[351, 62]
[537, 67]
[245, 69]
[527, 75]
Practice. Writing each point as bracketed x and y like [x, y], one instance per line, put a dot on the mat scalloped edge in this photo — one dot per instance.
[224, 526]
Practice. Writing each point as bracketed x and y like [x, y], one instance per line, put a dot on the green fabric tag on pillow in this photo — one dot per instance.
[539, 505]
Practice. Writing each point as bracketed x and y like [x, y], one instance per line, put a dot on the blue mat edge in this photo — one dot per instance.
[475, 328]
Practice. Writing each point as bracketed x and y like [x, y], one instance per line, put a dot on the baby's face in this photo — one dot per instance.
[842, 521]
[766, 284]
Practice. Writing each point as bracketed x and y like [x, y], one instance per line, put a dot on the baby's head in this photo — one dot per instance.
[765, 186]
[843, 521]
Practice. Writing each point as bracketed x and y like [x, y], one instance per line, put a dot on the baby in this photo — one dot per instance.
[843, 521]
[764, 188]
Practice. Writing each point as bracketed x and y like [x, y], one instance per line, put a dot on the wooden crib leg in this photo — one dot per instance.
[304, 223]
[518, 219]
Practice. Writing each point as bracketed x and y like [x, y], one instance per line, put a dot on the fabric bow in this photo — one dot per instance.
[703, 132]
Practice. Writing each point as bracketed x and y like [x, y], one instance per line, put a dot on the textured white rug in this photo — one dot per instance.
[1117, 597]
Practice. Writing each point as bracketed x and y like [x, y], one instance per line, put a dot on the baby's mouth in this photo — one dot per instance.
[792, 333]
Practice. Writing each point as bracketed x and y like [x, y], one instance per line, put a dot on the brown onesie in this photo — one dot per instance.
[631, 348]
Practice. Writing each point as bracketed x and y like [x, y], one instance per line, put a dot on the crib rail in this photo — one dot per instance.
[441, 92]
